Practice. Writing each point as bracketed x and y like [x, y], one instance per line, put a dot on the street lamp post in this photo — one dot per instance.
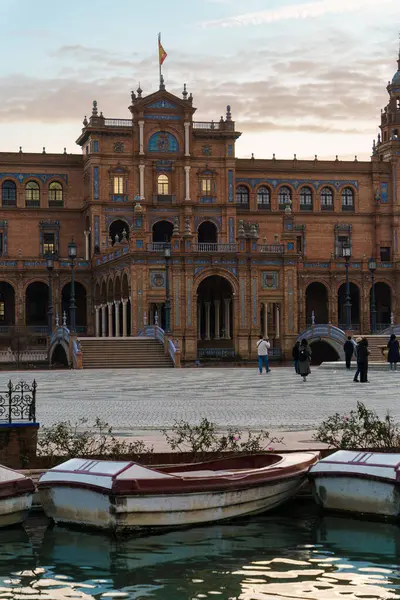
[50, 267]
[72, 252]
[347, 302]
[372, 269]
[167, 256]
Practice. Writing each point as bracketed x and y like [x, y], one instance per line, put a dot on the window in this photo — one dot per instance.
[162, 185]
[9, 193]
[242, 195]
[385, 254]
[32, 194]
[306, 198]
[206, 186]
[118, 185]
[284, 197]
[55, 194]
[95, 146]
[49, 243]
[263, 198]
[299, 244]
[341, 241]
[326, 199]
[2, 310]
[1, 243]
[347, 199]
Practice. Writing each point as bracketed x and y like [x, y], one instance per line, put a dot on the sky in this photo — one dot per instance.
[304, 77]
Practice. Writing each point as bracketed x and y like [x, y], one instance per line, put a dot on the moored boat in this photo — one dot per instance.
[16, 493]
[359, 482]
[120, 496]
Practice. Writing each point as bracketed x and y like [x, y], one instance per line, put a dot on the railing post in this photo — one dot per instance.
[10, 386]
[32, 409]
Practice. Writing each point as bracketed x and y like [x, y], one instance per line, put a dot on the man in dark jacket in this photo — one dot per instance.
[348, 351]
[363, 353]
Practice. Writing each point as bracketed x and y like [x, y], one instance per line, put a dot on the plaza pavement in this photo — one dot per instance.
[138, 403]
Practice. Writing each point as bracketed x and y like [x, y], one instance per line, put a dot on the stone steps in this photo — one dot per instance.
[375, 342]
[123, 353]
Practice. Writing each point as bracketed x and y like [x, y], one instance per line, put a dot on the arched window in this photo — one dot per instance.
[56, 194]
[326, 199]
[263, 198]
[284, 197]
[162, 185]
[306, 198]
[9, 193]
[32, 194]
[242, 196]
[347, 199]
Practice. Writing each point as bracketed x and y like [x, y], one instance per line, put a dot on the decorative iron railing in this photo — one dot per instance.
[118, 122]
[18, 402]
[205, 247]
[271, 248]
[158, 246]
[206, 125]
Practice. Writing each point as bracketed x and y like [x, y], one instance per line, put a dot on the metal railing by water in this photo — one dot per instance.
[118, 122]
[18, 402]
[206, 247]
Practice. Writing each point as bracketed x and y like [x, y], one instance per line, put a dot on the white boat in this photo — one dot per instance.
[121, 496]
[16, 492]
[359, 482]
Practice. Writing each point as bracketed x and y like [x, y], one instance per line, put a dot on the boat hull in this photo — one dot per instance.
[89, 507]
[14, 509]
[359, 495]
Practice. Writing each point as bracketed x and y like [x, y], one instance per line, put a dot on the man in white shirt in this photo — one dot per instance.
[262, 351]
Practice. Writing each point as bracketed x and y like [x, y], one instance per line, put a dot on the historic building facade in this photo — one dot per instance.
[256, 245]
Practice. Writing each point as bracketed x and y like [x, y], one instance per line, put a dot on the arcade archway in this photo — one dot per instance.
[36, 304]
[118, 231]
[80, 303]
[355, 305]
[162, 232]
[214, 312]
[7, 304]
[207, 233]
[383, 304]
[317, 303]
[322, 351]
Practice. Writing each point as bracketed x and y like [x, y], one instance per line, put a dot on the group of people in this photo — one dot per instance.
[359, 348]
[301, 356]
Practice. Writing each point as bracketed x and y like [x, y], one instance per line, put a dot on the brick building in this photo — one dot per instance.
[256, 245]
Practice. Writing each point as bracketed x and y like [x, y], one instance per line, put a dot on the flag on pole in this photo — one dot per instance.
[162, 55]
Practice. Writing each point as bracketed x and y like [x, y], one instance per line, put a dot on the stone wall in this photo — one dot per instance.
[18, 442]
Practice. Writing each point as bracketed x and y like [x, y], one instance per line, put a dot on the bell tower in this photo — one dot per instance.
[389, 140]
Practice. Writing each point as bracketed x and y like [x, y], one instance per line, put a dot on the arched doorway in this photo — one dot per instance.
[59, 358]
[214, 313]
[322, 351]
[7, 304]
[80, 303]
[317, 302]
[207, 233]
[118, 231]
[355, 305]
[36, 304]
[162, 232]
[383, 304]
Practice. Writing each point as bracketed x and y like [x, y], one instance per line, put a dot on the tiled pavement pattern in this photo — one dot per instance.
[136, 400]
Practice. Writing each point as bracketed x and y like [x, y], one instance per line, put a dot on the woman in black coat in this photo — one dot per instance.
[362, 355]
[394, 353]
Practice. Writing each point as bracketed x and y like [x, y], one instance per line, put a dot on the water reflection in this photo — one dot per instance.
[295, 555]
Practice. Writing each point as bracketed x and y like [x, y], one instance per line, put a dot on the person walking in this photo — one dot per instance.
[295, 356]
[394, 352]
[304, 359]
[262, 351]
[363, 354]
[358, 340]
[348, 348]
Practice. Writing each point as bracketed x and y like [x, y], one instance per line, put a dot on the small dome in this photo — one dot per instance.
[396, 78]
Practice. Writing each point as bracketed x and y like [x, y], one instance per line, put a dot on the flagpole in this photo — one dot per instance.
[159, 61]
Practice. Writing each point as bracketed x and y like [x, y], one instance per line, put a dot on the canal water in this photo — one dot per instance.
[292, 554]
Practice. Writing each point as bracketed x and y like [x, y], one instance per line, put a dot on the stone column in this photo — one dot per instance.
[97, 321]
[103, 320]
[141, 181]
[199, 320]
[208, 311]
[217, 321]
[227, 320]
[117, 325]
[87, 250]
[265, 308]
[124, 317]
[141, 128]
[187, 182]
[277, 318]
[187, 131]
[110, 319]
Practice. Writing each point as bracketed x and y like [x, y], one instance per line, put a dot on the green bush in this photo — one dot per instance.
[361, 428]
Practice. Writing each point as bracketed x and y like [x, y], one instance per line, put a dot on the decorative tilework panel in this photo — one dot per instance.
[295, 183]
[157, 279]
[230, 149]
[255, 303]
[164, 166]
[177, 311]
[231, 230]
[95, 146]
[139, 244]
[97, 231]
[44, 177]
[384, 193]
[242, 302]
[162, 141]
[161, 104]
[316, 265]
[270, 280]
[96, 183]
[189, 302]
[290, 301]
[230, 185]
[162, 117]
[290, 246]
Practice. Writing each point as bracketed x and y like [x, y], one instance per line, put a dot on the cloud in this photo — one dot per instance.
[307, 10]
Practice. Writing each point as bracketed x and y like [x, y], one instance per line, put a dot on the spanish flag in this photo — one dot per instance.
[162, 55]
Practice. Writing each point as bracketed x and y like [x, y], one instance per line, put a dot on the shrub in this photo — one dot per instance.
[70, 440]
[361, 428]
[204, 437]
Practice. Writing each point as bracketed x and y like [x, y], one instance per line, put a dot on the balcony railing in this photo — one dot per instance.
[9, 202]
[164, 198]
[271, 248]
[306, 207]
[158, 246]
[118, 122]
[56, 203]
[32, 204]
[327, 207]
[205, 125]
[242, 205]
[209, 247]
[264, 206]
[348, 207]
